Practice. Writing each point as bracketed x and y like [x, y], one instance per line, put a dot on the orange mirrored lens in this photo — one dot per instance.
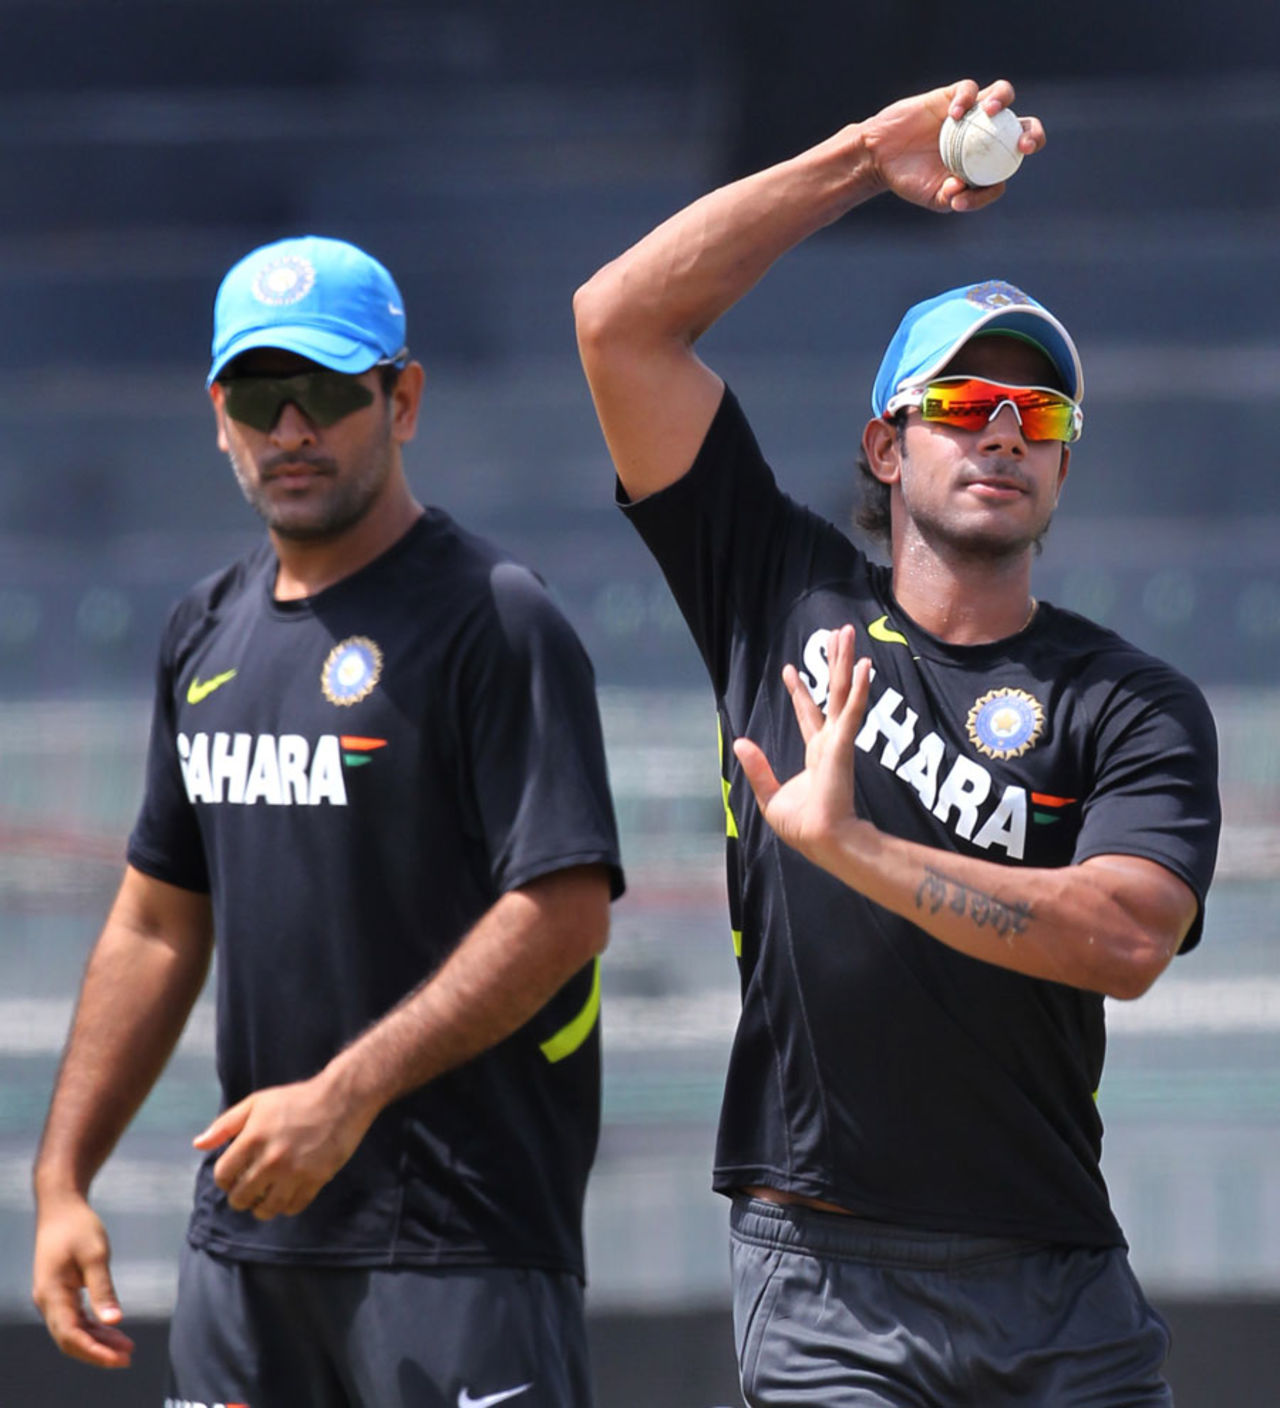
[970, 404]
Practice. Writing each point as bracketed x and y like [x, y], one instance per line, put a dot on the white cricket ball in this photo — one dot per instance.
[982, 150]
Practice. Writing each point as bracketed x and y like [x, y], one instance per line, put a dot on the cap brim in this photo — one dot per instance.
[329, 349]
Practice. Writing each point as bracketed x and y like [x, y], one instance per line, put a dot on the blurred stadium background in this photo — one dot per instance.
[493, 154]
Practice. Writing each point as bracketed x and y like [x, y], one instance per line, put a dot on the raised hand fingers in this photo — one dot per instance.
[760, 775]
[840, 658]
[850, 686]
[855, 707]
[808, 715]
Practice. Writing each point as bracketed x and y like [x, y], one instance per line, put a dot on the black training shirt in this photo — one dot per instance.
[355, 779]
[873, 1066]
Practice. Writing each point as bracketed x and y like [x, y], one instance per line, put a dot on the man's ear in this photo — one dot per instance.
[882, 447]
[406, 398]
[217, 396]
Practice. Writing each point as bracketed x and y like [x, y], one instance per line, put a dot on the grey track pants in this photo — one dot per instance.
[838, 1312]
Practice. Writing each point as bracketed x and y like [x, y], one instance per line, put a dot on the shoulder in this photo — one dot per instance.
[211, 597]
[1112, 672]
[481, 568]
[528, 621]
[439, 550]
[491, 590]
[1098, 651]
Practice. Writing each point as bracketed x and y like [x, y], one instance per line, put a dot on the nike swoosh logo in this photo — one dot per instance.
[489, 1399]
[202, 689]
[881, 630]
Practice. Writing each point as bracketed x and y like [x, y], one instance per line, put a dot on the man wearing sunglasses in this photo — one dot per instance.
[995, 813]
[376, 792]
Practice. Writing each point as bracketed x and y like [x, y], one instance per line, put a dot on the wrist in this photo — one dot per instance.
[848, 161]
[830, 179]
[864, 172]
[344, 1087]
[351, 1084]
[52, 1184]
[846, 847]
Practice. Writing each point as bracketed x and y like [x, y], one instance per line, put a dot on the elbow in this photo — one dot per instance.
[595, 930]
[1126, 987]
[576, 902]
[1135, 965]
[593, 313]
[582, 940]
[598, 939]
[1137, 915]
[610, 317]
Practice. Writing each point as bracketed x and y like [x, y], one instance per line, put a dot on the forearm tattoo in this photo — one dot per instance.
[985, 910]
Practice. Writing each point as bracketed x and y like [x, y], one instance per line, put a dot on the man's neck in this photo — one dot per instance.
[307, 566]
[965, 602]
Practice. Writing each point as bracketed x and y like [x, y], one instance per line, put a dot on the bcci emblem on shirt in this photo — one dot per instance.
[1005, 723]
[352, 669]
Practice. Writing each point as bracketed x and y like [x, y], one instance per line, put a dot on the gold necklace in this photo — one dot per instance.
[1031, 615]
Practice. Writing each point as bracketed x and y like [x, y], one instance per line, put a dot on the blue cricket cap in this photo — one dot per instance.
[932, 333]
[323, 299]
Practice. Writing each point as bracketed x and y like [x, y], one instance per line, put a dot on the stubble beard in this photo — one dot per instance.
[344, 502]
[990, 547]
[978, 545]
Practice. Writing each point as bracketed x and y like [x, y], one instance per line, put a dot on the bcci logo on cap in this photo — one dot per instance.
[996, 294]
[285, 280]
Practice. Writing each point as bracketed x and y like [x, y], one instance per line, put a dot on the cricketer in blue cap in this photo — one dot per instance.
[929, 778]
[324, 299]
[404, 868]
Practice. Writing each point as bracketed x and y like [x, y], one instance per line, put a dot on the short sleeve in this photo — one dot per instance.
[165, 842]
[1155, 788]
[532, 740]
[732, 546]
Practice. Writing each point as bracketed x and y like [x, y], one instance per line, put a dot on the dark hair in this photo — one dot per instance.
[388, 375]
[872, 512]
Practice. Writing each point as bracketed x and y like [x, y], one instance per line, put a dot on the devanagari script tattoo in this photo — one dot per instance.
[985, 910]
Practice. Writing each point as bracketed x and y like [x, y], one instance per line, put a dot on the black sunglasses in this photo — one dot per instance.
[324, 397]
